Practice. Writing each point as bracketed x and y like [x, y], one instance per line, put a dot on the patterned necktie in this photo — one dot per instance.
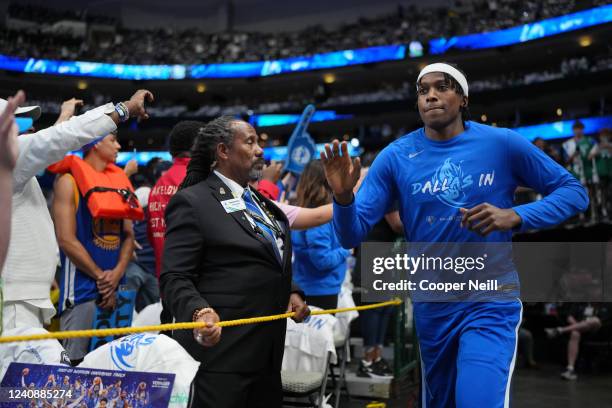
[258, 218]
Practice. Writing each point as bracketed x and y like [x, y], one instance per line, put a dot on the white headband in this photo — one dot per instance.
[446, 69]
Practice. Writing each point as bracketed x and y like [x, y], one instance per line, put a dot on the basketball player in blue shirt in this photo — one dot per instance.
[454, 180]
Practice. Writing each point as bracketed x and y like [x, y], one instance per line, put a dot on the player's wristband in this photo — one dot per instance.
[122, 111]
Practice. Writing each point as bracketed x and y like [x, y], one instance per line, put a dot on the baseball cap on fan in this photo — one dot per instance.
[23, 111]
[24, 115]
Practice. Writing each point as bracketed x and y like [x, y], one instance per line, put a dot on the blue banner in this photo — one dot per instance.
[26, 385]
[222, 70]
[141, 157]
[279, 119]
[524, 33]
[301, 148]
[93, 69]
[279, 153]
[328, 60]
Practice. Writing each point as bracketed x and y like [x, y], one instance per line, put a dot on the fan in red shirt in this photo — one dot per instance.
[180, 141]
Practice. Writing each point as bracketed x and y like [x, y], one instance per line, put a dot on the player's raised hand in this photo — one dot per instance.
[342, 173]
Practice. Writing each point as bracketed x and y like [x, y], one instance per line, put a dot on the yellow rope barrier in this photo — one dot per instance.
[182, 326]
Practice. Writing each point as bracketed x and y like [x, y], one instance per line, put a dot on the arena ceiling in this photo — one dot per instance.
[258, 15]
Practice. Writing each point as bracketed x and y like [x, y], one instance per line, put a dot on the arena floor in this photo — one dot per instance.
[541, 388]
[545, 389]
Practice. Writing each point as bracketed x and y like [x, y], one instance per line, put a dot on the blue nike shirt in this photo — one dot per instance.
[431, 180]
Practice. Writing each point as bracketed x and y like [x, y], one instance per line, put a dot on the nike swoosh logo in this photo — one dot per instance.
[413, 155]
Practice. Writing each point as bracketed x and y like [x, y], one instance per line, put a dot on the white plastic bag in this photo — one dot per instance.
[148, 352]
[37, 352]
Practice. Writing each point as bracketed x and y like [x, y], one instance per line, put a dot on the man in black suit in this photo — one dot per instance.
[227, 255]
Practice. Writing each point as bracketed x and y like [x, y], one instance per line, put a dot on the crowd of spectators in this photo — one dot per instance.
[42, 15]
[192, 46]
[569, 67]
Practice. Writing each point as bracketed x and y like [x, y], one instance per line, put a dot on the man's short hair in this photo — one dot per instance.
[578, 125]
[183, 135]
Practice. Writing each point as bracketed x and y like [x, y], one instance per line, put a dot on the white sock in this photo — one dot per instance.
[570, 367]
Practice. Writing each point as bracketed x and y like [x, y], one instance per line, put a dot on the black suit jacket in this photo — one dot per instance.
[214, 259]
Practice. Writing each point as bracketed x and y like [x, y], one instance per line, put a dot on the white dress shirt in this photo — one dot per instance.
[33, 254]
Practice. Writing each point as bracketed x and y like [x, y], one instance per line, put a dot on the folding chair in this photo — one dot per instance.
[305, 385]
[343, 351]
